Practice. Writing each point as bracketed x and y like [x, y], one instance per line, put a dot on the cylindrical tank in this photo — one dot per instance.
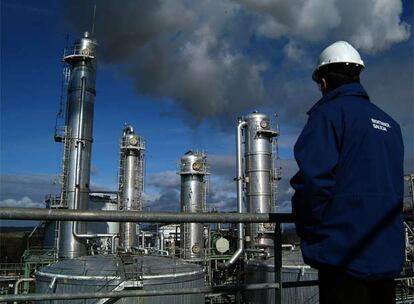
[107, 272]
[79, 122]
[131, 183]
[193, 172]
[103, 202]
[259, 177]
[262, 271]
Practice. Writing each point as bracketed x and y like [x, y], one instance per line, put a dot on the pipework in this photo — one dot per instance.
[254, 181]
[239, 180]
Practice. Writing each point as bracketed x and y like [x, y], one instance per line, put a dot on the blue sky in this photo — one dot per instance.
[259, 60]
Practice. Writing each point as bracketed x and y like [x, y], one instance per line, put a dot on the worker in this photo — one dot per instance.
[348, 198]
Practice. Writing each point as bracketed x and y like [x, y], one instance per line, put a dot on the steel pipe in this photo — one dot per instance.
[7, 213]
[161, 235]
[136, 293]
[239, 178]
[17, 284]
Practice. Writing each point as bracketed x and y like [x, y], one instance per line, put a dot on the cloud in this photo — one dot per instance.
[222, 194]
[168, 200]
[203, 54]
[294, 52]
[165, 179]
[307, 19]
[187, 51]
[371, 25]
[24, 202]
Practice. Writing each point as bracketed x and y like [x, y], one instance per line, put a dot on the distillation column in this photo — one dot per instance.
[259, 178]
[131, 183]
[193, 172]
[79, 123]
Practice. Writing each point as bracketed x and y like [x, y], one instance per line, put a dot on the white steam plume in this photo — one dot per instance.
[204, 54]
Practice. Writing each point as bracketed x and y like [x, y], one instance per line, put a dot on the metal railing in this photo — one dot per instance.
[154, 217]
[164, 217]
[11, 269]
[139, 216]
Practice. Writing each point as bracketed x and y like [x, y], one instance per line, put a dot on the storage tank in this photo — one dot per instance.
[103, 201]
[107, 272]
[193, 172]
[262, 271]
[131, 183]
[77, 141]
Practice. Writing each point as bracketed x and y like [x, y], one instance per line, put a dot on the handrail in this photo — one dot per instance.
[136, 293]
[7, 213]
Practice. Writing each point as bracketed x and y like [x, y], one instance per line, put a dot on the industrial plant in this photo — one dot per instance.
[105, 247]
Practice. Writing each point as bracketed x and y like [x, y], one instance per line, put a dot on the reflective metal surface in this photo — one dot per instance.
[239, 180]
[258, 176]
[193, 172]
[79, 120]
[131, 183]
[293, 270]
[112, 272]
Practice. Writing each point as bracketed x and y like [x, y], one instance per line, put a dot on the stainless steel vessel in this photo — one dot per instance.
[121, 272]
[193, 172]
[259, 176]
[256, 182]
[78, 140]
[131, 183]
[293, 270]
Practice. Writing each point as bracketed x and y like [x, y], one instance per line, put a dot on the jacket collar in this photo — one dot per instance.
[351, 89]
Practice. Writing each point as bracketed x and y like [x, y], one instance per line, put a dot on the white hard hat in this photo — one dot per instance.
[338, 52]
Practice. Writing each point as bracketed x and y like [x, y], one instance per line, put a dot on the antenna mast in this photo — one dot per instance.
[93, 20]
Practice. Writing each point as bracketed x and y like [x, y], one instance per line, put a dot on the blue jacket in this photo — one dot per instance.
[349, 188]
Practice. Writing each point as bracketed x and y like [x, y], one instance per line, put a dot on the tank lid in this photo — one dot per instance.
[114, 265]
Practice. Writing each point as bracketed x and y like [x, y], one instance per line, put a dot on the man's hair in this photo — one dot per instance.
[337, 74]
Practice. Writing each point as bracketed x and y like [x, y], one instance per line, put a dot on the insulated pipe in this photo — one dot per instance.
[239, 178]
[113, 244]
[17, 284]
[161, 234]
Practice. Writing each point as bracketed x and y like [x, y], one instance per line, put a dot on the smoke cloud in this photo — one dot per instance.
[370, 25]
[203, 55]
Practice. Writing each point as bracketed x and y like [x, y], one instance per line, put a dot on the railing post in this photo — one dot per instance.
[278, 262]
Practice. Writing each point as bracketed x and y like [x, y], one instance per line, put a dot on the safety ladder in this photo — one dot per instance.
[57, 239]
[65, 167]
